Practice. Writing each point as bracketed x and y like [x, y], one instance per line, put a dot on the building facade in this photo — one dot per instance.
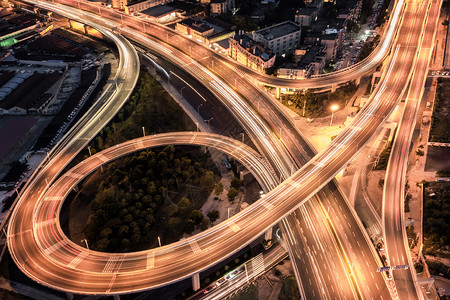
[282, 38]
[254, 55]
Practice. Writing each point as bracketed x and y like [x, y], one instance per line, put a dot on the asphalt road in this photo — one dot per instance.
[396, 242]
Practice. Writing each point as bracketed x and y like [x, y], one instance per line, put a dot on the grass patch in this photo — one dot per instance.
[318, 105]
[384, 158]
[289, 290]
[436, 219]
[440, 120]
[138, 197]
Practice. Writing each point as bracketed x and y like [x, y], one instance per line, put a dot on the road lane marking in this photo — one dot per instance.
[77, 260]
[46, 223]
[111, 283]
[267, 205]
[235, 227]
[150, 260]
[139, 144]
[54, 198]
[111, 264]
[53, 248]
[195, 247]
[103, 158]
[74, 175]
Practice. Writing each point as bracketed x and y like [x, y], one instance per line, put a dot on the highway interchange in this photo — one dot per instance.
[339, 152]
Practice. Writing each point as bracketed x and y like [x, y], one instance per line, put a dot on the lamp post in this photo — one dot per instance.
[198, 108]
[333, 108]
[209, 123]
[143, 130]
[181, 91]
[89, 149]
[85, 241]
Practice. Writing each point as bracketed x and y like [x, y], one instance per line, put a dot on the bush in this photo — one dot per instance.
[232, 194]
[236, 183]
[213, 215]
[218, 188]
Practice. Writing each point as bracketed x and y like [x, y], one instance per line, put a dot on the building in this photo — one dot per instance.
[197, 29]
[259, 14]
[219, 7]
[352, 11]
[308, 60]
[251, 53]
[131, 7]
[333, 42]
[281, 38]
[162, 13]
[305, 16]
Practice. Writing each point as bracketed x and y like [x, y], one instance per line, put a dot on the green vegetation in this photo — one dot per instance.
[213, 215]
[318, 105]
[249, 293]
[150, 107]
[440, 121]
[366, 10]
[438, 268]
[412, 237]
[218, 188]
[232, 194]
[436, 219]
[154, 193]
[135, 202]
[368, 47]
[384, 158]
[289, 291]
[443, 173]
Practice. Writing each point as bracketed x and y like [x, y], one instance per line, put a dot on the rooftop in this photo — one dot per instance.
[159, 11]
[197, 25]
[254, 47]
[279, 30]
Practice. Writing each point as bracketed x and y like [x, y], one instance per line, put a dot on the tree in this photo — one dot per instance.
[218, 189]
[204, 224]
[213, 215]
[232, 193]
[184, 202]
[207, 180]
[236, 183]
[196, 216]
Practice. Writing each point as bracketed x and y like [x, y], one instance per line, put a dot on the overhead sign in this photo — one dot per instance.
[399, 267]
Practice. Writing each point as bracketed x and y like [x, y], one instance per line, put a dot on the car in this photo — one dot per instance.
[433, 73]
[208, 289]
[221, 281]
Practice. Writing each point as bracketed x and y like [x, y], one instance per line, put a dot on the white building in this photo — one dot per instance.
[281, 38]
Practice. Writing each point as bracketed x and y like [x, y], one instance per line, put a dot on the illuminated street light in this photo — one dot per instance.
[85, 241]
[333, 108]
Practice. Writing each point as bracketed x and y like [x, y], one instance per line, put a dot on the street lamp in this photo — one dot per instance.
[209, 123]
[333, 108]
[89, 149]
[143, 130]
[85, 241]
[198, 108]
[181, 91]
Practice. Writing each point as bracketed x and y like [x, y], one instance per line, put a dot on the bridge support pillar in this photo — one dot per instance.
[358, 80]
[333, 88]
[116, 297]
[278, 94]
[196, 281]
[428, 281]
[268, 234]
[70, 23]
[76, 188]
[69, 296]
[86, 32]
